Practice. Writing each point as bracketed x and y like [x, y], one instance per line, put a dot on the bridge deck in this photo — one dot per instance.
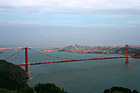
[72, 60]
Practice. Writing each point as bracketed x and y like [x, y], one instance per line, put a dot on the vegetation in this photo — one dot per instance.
[9, 83]
[7, 91]
[29, 90]
[38, 88]
[119, 90]
[12, 77]
[52, 88]
[45, 88]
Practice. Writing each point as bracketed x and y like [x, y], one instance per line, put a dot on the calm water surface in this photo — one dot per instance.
[80, 77]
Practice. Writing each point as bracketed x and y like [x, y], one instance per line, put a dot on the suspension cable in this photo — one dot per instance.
[46, 54]
[14, 54]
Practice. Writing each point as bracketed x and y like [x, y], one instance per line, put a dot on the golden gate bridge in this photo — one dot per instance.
[26, 64]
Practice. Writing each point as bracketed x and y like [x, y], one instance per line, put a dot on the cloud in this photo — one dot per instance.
[23, 22]
[118, 12]
[71, 6]
[18, 22]
[67, 21]
[36, 24]
[134, 22]
[7, 7]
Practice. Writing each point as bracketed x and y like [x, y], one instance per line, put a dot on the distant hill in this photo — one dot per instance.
[133, 51]
[12, 77]
[117, 89]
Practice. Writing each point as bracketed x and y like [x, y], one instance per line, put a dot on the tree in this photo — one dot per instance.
[135, 91]
[48, 88]
[29, 90]
[7, 91]
[119, 89]
[8, 82]
[106, 91]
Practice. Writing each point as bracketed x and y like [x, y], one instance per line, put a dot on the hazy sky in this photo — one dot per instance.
[69, 22]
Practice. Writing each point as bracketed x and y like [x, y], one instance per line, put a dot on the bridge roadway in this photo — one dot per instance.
[72, 60]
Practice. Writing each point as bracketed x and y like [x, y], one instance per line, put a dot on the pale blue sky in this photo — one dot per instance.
[68, 22]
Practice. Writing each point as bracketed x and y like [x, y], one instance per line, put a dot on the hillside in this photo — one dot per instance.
[12, 76]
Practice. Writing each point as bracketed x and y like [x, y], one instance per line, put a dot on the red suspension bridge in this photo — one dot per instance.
[26, 64]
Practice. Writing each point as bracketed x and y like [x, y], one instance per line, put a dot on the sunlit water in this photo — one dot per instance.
[80, 77]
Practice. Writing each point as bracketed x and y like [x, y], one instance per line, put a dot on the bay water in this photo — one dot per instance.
[93, 76]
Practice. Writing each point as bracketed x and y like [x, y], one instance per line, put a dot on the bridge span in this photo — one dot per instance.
[72, 60]
[26, 64]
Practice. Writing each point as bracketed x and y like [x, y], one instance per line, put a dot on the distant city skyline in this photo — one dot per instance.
[69, 22]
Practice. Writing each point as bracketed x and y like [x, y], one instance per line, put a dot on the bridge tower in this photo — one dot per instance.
[26, 60]
[126, 53]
